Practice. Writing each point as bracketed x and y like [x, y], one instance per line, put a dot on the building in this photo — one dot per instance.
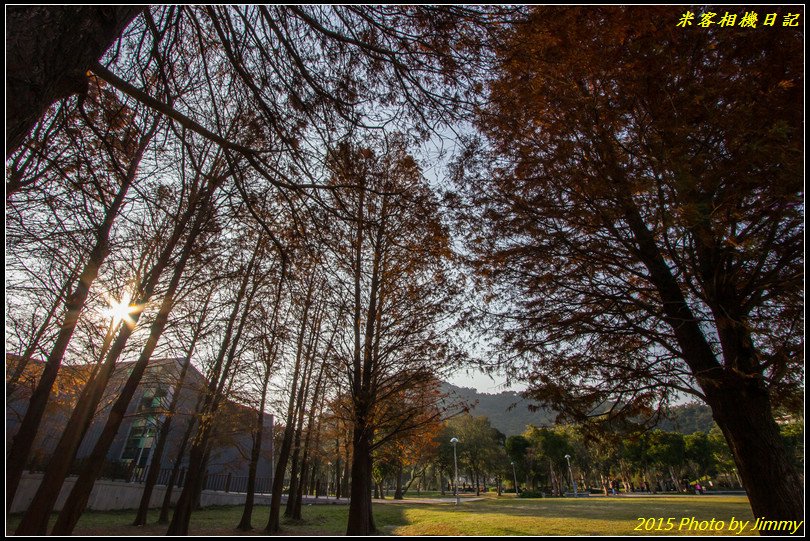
[132, 451]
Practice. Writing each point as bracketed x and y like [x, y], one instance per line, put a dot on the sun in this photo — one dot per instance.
[121, 310]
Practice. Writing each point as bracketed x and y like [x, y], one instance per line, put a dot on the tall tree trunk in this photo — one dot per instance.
[196, 497]
[24, 439]
[191, 487]
[274, 522]
[300, 408]
[214, 395]
[255, 454]
[338, 480]
[346, 480]
[163, 436]
[441, 481]
[271, 347]
[316, 481]
[295, 466]
[174, 476]
[308, 465]
[361, 521]
[48, 52]
[316, 398]
[77, 500]
[302, 486]
[736, 393]
[398, 489]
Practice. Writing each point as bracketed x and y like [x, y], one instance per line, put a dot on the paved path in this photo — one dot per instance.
[310, 500]
[428, 500]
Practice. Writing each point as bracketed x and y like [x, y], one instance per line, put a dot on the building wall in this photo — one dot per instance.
[114, 495]
[231, 448]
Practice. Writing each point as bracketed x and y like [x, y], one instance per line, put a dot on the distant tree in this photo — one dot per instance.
[697, 450]
[412, 450]
[517, 447]
[722, 455]
[688, 418]
[549, 447]
[793, 435]
[667, 451]
[479, 447]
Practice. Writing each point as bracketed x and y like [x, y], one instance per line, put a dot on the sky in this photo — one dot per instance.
[482, 382]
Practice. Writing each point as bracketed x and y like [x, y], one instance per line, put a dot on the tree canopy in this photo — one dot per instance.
[634, 209]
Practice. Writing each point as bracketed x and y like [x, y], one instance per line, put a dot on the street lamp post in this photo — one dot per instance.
[454, 441]
[571, 473]
[515, 476]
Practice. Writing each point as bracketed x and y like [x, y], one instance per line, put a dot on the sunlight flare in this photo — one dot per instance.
[121, 310]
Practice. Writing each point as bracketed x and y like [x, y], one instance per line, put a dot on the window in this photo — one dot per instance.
[140, 441]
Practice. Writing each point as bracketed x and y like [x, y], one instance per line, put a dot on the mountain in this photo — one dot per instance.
[688, 418]
[509, 412]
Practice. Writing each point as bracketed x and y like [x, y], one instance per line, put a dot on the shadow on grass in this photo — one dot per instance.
[492, 516]
[318, 520]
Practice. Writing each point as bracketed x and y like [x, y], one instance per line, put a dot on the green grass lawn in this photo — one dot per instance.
[492, 516]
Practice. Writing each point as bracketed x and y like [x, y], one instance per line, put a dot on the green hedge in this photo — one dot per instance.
[530, 494]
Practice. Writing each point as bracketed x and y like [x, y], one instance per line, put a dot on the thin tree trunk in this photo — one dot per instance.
[25, 358]
[346, 478]
[167, 498]
[303, 392]
[156, 462]
[24, 439]
[163, 437]
[164, 508]
[271, 347]
[220, 373]
[273, 522]
[398, 489]
[77, 500]
[338, 479]
[316, 396]
[306, 461]
[255, 454]
[196, 497]
[441, 481]
[294, 471]
[316, 482]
